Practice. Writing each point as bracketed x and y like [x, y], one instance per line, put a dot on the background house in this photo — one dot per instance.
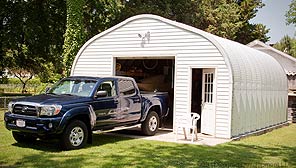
[236, 89]
[289, 64]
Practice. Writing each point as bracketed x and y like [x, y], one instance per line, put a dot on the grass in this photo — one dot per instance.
[274, 149]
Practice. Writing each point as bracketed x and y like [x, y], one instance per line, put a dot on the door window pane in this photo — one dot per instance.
[208, 86]
[109, 87]
[126, 87]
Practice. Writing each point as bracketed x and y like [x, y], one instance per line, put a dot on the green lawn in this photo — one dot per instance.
[274, 149]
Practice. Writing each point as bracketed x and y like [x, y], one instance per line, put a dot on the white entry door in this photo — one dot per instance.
[207, 109]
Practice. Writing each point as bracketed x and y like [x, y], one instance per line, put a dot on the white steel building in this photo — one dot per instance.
[236, 89]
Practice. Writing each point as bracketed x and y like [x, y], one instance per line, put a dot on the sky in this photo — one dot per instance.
[273, 16]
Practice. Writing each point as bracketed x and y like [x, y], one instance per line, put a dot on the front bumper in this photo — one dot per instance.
[32, 124]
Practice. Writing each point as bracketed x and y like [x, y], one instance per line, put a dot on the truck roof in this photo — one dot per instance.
[98, 78]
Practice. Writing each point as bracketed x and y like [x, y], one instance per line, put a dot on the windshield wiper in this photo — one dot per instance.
[68, 94]
[52, 93]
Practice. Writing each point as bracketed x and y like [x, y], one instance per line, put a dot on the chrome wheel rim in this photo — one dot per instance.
[153, 123]
[76, 136]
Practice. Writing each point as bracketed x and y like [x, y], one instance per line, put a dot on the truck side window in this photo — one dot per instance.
[109, 87]
[126, 87]
[84, 88]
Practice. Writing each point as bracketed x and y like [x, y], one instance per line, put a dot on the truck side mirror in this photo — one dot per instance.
[101, 93]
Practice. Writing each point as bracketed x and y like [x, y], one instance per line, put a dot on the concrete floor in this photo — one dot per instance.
[166, 135]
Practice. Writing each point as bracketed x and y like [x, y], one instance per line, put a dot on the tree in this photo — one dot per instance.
[225, 18]
[180, 10]
[86, 18]
[2, 63]
[249, 31]
[23, 75]
[75, 34]
[31, 33]
[221, 18]
[287, 45]
[291, 13]
[99, 15]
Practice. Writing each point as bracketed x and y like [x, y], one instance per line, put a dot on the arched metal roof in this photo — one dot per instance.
[246, 65]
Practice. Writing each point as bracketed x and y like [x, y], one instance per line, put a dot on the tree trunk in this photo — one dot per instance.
[24, 82]
[24, 87]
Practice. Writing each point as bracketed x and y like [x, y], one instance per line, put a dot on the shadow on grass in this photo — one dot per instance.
[49, 153]
[116, 151]
[41, 145]
[54, 146]
[98, 140]
[199, 156]
[113, 151]
[290, 154]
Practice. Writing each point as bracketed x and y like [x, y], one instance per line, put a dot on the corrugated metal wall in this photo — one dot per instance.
[189, 49]
[259, 89]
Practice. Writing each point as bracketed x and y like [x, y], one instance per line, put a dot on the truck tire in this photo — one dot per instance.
[22, 137]
[151, 124]
[74, 136]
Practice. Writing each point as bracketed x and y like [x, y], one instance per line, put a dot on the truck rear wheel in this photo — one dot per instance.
[151, 124]
[22, 137]
[74, 136]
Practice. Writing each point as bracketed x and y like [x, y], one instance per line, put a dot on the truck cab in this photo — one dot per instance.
[76, 106]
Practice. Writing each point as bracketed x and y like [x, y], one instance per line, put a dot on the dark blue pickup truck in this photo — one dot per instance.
[76, 106]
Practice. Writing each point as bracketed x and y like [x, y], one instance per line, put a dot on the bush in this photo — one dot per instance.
[35, 80]
[30, 88]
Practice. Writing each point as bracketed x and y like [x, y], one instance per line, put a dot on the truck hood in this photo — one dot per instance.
[53, 99]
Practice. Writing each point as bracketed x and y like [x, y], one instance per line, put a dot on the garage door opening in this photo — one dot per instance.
[151, 75]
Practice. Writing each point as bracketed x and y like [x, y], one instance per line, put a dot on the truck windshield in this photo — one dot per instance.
[73, 87]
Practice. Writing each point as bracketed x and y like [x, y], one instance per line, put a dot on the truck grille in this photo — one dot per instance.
[25, 110]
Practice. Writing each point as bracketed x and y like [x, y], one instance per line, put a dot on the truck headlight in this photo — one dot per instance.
[50, 110]
[10, 106]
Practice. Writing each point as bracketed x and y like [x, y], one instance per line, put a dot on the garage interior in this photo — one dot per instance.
[151, 75]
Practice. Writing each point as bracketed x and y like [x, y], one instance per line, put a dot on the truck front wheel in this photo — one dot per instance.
[151, 124]
[74, 136]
